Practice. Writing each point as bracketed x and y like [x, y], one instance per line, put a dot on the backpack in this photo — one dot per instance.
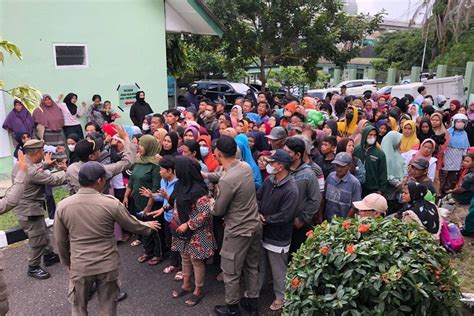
[451, 237]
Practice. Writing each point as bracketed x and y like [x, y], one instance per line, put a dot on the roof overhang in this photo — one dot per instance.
[191, 16]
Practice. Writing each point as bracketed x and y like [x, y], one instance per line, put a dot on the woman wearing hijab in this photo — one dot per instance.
[457, 147]
[169, 145]
[418, 210]
[192, 132]
[257, 143]
[383, 127]
[426, 151]
[349, 125]
[19, 120]
[49, 122]
[191, 227]
[71, 142]
[21, 138]
[246, 154]
[146, 174]
[72, 125]
[139, 109]
[206, 153]
[470, 112]
[454, 106]
[395, 165]
[409, 138]
[425, 130]
[330, 128]
[94, 114]
[236, 115]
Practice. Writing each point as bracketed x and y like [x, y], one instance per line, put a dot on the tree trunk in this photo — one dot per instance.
[263, 76]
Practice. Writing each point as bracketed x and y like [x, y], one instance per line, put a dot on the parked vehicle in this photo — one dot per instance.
[451, 87]
[223, 89]
[385, 92]
[354, 87]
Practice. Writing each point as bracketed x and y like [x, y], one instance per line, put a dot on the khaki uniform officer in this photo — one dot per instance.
[30, 209]
[9, 201]
[84, 232]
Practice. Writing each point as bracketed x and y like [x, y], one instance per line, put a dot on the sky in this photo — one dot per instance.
[400, 10]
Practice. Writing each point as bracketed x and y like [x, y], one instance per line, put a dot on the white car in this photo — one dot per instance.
[354, 87]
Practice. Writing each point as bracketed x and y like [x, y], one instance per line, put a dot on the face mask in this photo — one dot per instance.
[459, 125]
[204, 151]
[270, 169]
[371, 140]
[71, 147]
[349, 116]
[207, 113]
[145, 127]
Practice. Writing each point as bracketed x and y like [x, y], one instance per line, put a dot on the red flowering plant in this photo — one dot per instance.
[371, 267]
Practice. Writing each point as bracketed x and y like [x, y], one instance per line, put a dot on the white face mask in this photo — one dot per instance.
[459, 125]
[145, 127]
[71, 147]
[371, 140]
[270, 169]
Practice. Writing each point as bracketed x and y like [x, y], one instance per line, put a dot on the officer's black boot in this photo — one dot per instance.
[250, 305]
[122, 296]
[50, 259]
[38, 273]
[227, 310]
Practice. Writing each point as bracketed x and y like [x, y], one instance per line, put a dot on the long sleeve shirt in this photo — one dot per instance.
[71, 119]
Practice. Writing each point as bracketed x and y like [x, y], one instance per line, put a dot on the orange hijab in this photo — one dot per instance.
[210, 161]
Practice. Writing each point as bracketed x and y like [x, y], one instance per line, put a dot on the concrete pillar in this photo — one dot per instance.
[391, 76]
[415, 74]
[352, 74]
[371, 73]
[469, 79]
[337, 76]
[441, 71]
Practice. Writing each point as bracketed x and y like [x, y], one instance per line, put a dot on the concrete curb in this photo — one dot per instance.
[13, 235]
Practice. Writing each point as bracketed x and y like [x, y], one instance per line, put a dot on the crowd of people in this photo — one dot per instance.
[240, 184]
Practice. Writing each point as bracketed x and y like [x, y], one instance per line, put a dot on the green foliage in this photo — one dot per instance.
[458, 54]
[371, 267]
[291, 32]
[400, 50]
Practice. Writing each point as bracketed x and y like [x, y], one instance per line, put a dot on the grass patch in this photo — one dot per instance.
[9, 220]
[464, 263]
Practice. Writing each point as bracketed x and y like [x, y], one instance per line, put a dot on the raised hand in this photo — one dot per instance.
[22, 165]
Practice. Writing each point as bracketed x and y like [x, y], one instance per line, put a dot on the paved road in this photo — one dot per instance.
[149, 290]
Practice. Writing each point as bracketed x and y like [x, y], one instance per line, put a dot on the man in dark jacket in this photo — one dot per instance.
[374, 161]
[139, 109]
[309, 195]
[277, 199]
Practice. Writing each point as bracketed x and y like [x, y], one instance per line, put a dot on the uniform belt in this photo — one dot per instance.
[35, 218]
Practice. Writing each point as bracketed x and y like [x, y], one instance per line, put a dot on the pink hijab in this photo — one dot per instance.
[50, 117]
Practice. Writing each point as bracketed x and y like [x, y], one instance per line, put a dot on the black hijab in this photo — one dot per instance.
[19, 139]
[426, 211]
[419, 133]
[174, 145]
[71, 106]
[137, 97]
[333, 126]
[189, 188]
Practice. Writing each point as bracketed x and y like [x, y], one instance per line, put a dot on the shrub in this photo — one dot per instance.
[371, 267]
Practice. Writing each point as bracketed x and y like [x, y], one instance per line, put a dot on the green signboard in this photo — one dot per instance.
[126, 94]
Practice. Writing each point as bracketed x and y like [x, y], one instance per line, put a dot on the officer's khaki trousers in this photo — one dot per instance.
[240, 255]
[107, 292]
[38, 240]
[3, 293]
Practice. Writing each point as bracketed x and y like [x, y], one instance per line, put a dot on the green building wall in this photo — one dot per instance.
[125, 45]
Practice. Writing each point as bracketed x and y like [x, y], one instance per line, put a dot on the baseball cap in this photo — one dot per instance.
[420, 163]
[280, 156]
[91, 171]
[278, 132]
[372, 201]
[34, 144]
[342, 159]
[307, 143]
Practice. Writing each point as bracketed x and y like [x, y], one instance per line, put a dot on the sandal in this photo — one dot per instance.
[193, 300]
[181, 292]
[170, 269]
[154, 261]
[144, 258]
[179, 276]
[136, 243]
[277, 305]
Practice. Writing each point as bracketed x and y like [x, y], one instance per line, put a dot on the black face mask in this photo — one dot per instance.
[141, 99]
[349, 116]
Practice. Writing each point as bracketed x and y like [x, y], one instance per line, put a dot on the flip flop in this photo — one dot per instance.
[179, 276]
[154, 261]
[170, 269]
[136, 243]
[277, 306]
[144, 258]
[193, 300]
[180, 293]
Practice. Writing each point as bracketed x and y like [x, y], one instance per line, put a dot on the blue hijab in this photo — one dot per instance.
[243, 144]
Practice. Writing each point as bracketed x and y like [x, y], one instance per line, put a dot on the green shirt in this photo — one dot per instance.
[143, 175]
